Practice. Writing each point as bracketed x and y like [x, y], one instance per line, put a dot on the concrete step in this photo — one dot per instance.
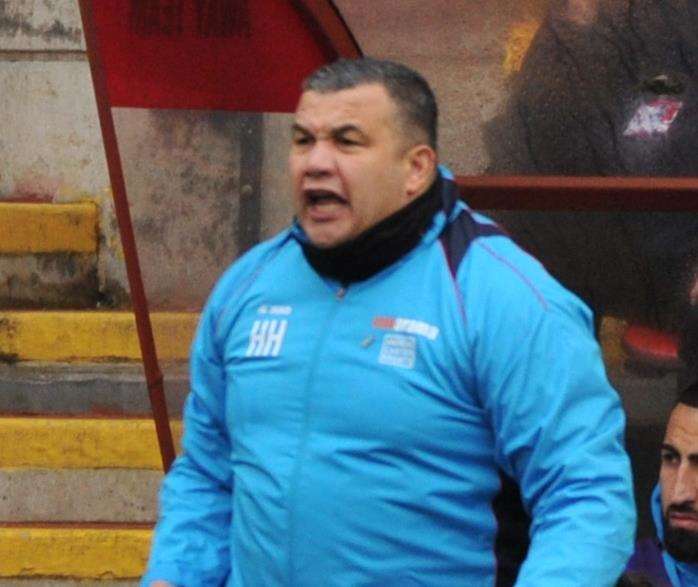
[74, 551]
[31, 228]
[90, 336]
[48, 255]
[83, 389]
[65, 583]
[78, 495]
[80, 443]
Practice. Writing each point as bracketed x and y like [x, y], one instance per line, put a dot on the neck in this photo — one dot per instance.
[381, 245]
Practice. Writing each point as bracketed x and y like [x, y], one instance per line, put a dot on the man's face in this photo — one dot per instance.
[349, 162]
[679, 484]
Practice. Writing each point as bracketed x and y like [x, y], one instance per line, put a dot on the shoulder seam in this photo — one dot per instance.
[246, 282]
[516, 271]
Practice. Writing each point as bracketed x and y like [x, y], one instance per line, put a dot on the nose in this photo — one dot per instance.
[319, 159]
[685, 485]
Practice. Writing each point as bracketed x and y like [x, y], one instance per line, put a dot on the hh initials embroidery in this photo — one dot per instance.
[266, 338]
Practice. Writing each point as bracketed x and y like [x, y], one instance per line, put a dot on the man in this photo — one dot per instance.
[674, 560]
[363, 383]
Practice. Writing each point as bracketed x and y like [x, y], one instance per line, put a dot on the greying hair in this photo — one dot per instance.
[408, 89]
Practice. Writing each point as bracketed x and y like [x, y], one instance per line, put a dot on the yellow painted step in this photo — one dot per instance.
[107, 552]
[48, 228]
[80, 443]
[91, 336]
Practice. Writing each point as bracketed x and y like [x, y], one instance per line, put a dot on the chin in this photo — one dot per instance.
[681, 544]
[324, 239]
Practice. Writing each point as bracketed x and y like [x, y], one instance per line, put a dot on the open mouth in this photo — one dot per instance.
[323, 197]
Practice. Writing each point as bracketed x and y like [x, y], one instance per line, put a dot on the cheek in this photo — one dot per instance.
[666, 482]
[293, 167]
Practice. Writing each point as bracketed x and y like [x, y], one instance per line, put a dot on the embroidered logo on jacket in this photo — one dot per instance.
[275, 310]
[266, 338]
[406, 325]
[398, 350]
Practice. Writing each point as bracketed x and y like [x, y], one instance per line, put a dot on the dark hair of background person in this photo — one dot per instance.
[410, 91]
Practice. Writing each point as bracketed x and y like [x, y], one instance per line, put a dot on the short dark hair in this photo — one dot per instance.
[412, 94]
[688, 396]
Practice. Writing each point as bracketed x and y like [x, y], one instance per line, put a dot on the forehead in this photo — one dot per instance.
[365, 106]
[682, 429]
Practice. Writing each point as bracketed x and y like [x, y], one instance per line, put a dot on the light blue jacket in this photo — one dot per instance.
[357, 436]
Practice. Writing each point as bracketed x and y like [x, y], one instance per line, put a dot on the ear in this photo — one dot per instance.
[421, 168]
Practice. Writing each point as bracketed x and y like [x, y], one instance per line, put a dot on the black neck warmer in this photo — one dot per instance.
[379, 246]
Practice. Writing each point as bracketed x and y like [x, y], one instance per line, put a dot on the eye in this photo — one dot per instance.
[301, 139]
[669, 458]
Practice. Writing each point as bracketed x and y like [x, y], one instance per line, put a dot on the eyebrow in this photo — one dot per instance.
[345, 128]
[668, 448]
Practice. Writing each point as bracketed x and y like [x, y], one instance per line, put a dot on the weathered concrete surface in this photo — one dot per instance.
[80, 443]
[56, 281]
[277, 207]
[87, 389]
[105, 495]
[91, 336]
[51, 150]
[31, 25]
[183, 176]
[51, 145]
[80, 552]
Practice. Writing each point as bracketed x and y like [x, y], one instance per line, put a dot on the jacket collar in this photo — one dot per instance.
[447, 205]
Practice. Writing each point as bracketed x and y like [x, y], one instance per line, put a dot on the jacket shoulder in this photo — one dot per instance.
[241, 274]
[491, 269]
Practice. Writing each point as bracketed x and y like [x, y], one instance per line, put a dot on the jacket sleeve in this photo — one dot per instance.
[191, 543]
[558, 427]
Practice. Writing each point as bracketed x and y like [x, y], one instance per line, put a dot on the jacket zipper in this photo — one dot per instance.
[303, 439]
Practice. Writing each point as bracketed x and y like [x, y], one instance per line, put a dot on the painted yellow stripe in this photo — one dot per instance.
[80, 443]
[48, 228]
[80, 553]
[91, 336]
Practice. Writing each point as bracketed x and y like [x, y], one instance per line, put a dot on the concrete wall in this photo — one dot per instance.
[50, 145]
[205, 186]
